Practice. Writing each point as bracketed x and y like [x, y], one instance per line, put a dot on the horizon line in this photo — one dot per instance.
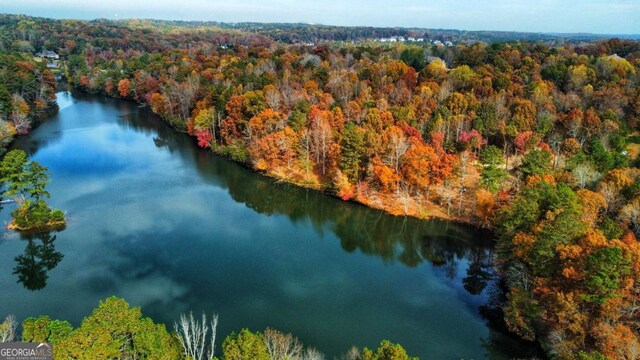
[636, 36]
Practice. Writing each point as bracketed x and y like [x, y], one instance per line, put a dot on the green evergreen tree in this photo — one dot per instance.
[352, 152]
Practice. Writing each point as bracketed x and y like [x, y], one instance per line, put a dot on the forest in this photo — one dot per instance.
[306, 33]
[536, 141]
[117, 331]
[27, 95]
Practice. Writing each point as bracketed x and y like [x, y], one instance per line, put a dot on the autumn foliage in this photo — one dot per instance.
[570, 286]
[535, 140]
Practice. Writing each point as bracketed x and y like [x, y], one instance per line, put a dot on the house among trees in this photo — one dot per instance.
[48, 54]
[51, 58]
[615, 57]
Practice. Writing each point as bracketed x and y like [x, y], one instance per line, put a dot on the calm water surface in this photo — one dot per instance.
[173, 228]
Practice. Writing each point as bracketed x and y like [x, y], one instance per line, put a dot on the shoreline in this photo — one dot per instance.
[440, 214]
[430, 212]
[51, 226]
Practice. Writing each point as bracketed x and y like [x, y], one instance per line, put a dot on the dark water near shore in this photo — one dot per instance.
[173, 228]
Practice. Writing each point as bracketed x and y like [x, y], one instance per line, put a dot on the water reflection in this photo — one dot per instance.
[392, 238]
[39, 257]
[479, 273]
[448, 247]
[173, 228]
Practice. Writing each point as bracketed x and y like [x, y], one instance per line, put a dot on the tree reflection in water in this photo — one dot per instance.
[458, 254]
[39, 257]
[445, 245]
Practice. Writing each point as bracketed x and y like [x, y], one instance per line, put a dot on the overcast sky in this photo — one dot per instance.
[594, 16]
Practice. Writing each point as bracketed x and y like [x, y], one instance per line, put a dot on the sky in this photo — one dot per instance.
[568, 16]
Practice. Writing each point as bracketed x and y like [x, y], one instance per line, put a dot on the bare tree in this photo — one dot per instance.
[464, 161]
[321, 140]
[273, 98]
[351, 354]
[264, 66]
[181, 96]
[404, 197]
[633, 350]
[398, 144]
[555, 141]
[631, 214]
[611, 196]
[187, 94]
[281, 346]
[631, 311]
[312, 354]
[518, 275]
[286, 149]
[447, 194]
[290, 96]
[585, 174]
[193, 336]
[340, 85]
[43, 88]
[20, 122]
[8, 329]
[559, 346]
[19, 115]
[446, 88]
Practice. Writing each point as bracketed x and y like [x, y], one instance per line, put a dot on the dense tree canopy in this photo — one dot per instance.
[114, 330]
[535, 139]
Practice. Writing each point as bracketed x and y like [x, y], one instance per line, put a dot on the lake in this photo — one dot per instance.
[174, 228]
